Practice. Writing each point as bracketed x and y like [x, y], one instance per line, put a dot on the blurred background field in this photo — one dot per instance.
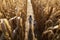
[14, 20]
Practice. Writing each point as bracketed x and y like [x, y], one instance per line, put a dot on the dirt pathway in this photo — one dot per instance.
[29, 12]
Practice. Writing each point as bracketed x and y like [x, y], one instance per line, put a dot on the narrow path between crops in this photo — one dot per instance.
[29, 29]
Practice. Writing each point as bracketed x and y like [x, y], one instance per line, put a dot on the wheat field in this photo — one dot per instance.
[14, 20]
